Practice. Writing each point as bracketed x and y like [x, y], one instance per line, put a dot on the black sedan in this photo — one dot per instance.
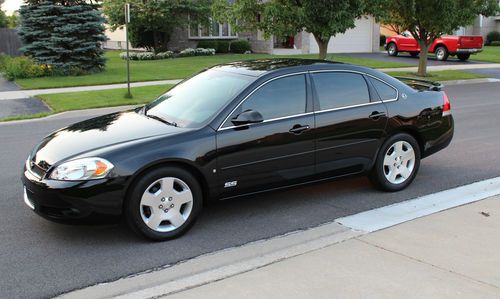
[233, 130]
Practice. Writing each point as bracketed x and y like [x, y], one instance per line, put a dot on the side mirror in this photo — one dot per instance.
[247, 117]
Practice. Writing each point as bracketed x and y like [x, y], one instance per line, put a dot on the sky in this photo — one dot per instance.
[10, 6]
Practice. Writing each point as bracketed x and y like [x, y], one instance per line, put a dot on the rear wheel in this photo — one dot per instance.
[397, 163]
[441, 53]
[463, 57]
[164, 203]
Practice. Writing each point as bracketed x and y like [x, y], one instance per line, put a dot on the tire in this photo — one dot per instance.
[441, 53]
[172, 194]
[414, 54]
[463, 57]
[389, 160]
[392, 49]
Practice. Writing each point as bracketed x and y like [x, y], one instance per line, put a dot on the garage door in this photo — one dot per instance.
[358, 39]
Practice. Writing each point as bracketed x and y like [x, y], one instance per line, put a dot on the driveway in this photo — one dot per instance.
[406, 58]
[42, 259]
[19, 107]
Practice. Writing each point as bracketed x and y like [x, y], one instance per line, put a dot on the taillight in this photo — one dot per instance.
[446, 105]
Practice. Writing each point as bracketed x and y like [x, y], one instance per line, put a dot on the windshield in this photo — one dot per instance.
[199, 98]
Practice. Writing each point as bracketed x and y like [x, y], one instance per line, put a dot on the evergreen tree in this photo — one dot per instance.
[64, 34]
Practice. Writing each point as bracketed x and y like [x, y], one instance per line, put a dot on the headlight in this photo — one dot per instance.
[82, 169]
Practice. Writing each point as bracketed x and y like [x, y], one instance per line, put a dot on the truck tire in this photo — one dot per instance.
[441, 53]
[463, 57]
[392, 49]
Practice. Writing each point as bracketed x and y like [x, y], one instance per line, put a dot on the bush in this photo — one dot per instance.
[495, 43]
[196, 52]
[240, 46]
[222, 46]
[382, 39]
[3, 61]
[146, 55]
[24, 67]
[208, 44]
[493, 36]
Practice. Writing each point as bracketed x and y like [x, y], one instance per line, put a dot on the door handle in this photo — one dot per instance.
[376, 115]
[297, 129]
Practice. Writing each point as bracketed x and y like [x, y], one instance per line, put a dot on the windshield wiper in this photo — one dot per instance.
[161, 119]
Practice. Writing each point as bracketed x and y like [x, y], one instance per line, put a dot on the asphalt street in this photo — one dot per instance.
[42, 259]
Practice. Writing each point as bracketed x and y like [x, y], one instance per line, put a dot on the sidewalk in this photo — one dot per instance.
[22, 94]
[455, 253]
[27, 93]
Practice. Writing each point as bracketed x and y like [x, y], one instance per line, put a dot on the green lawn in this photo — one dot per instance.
[176, 68]
[60, 102]
[489, 54]
[440, 75]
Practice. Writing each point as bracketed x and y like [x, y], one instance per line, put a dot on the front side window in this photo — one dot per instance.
[279, 98]
[385, 91]
[340, 89]
[193, 102]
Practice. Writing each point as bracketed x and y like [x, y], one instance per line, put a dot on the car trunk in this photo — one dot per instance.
[470, 42]
[421, 85]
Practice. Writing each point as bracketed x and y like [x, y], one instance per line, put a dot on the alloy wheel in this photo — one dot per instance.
[166, 204]
[399, 162]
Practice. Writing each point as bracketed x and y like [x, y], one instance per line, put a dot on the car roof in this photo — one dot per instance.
[260, 67]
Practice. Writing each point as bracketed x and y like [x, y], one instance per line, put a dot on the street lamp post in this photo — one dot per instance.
[127, 20]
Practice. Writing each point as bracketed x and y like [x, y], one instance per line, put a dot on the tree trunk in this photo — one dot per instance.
[322, 45]
[422, 61]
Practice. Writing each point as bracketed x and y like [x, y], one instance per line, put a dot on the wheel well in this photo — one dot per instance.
[440, 45]
[414, 133]
[191, 169]
[392, 42]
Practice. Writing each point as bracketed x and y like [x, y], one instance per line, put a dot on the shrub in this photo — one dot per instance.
[147, 55]
[240, 46]
[3, 60]
[24, 67]
[493, 36]
[495, 43]
[208, 44]
[165, 55]
[196, 52]
[382, 40]
[222, 46]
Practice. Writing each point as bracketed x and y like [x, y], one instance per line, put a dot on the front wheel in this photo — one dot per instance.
[392, 49]
[463, 57]
[397, 163]
[164, 203]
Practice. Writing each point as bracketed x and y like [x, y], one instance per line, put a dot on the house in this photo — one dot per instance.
[363, 38]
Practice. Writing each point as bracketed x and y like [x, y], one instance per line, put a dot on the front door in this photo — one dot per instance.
[271, 153]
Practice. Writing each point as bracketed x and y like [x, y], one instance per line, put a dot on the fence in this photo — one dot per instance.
[9, 42]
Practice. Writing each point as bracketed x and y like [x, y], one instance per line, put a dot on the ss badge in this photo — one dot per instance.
[230, 184]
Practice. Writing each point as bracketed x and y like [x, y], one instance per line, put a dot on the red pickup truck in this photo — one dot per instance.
[442, 47]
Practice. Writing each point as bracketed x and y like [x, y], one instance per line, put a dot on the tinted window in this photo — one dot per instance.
[278, 98]
[197, 99]
[339, 89]
[385, 91]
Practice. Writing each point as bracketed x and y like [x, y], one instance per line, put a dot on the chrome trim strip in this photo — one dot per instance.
[265, 121]
[348, 107]
[255, 89]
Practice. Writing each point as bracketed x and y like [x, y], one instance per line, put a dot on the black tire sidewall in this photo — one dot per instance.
[377, 174]
[132, 211]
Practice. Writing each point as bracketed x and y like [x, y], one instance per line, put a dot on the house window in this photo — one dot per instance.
[213, 30]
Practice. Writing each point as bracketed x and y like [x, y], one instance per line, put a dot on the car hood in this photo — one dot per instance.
[96, 133]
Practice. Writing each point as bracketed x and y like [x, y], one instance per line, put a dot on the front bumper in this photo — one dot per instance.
[468, 51]
[65, 200]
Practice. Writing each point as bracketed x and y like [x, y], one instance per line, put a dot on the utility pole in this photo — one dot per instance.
[127, 20]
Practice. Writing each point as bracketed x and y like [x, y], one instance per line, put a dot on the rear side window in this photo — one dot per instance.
[338, 89]
[385, 91]
[278, 98]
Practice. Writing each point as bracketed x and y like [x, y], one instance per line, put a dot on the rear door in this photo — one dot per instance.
[350, 122]
[271, 153]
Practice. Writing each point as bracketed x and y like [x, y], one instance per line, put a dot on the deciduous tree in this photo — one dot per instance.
[322, 18]
[427, 20]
